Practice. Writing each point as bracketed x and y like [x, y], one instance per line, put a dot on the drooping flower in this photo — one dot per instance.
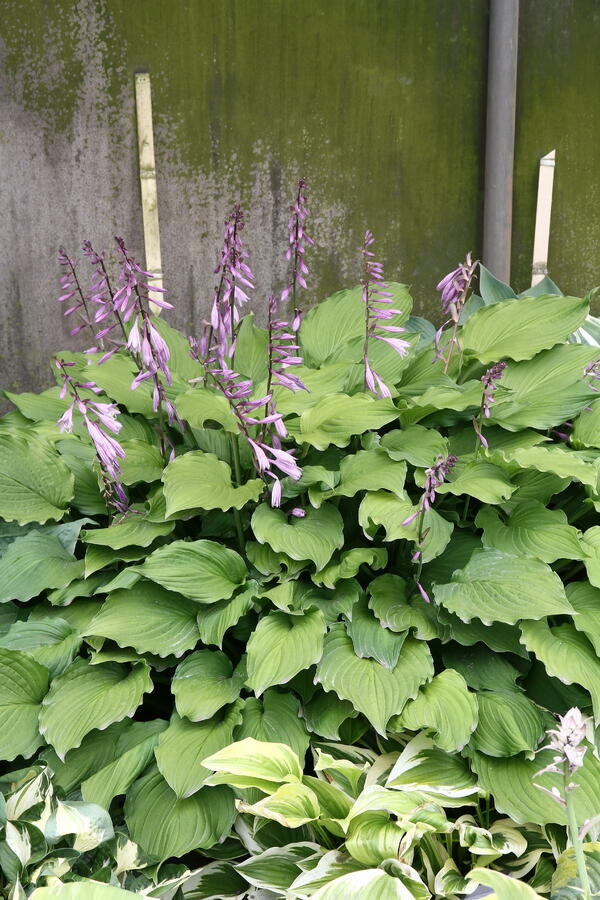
[295, 253]
[567, 741]
[230, 296]
[378, 298]
[454, 288]
[489, 381]
[71, 288]
[100, 420]
[102, 294]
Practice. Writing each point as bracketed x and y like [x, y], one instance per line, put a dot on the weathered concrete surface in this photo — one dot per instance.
[377, 104]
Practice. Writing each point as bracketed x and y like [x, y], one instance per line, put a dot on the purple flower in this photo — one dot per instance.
[100, 419]
[71, 288]
[434, 477]
[298, 242]
[489, 381]
[102, 294]
[454, 288]
[377, 299]
[229, 294]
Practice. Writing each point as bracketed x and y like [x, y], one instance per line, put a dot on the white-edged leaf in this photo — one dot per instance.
[252, 763]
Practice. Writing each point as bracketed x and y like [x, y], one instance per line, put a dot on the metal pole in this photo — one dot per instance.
[500, 136]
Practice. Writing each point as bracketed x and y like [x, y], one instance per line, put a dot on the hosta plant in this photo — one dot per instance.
[296, 605]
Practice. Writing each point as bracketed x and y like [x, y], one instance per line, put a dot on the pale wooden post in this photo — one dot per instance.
[541, 240]
[143, 106]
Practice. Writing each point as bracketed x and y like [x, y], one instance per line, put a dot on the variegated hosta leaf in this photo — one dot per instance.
[566, 654]
[200, 480]
[367, 884]
[90, 824]
[252, 763]
[82, 890]
[85, 697]
[377, 692]
[446, 707]
[281, 646]
[439, 776]
[291, 805]
[566, 883]
[531, 530]
[496, 587]
[503, 886]
[276, 868]
[314, 537]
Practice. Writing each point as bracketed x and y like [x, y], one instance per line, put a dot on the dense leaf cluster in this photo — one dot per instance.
[285, 711]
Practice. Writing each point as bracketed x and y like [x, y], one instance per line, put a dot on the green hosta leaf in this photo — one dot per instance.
[374, 690]
[204, 682]
[417, 445]
[115, 377]
[391, 512]
[80, 458]
[349, 563]
[252, 350]
[500, 588]
[314, 537]
[143, 462]
[367, 470]
[581, 465]
[336, 417]
[503, 886]
[492, 289]
[276, 718]
[328, 328]
[214, 620]
[35, 483]
[481, 480]
[591, 554]
[283, 645]
[204, 571]
[390, 605]
[508, 724]
[513, 780]
[202, 405]
[165, 826]
[133, 530]
[447, 396]
[51, 642]
[131, 753]
[97, 557]
[169, 620]
[440, 776]
[200, 480]
[184, 745]
[520, 328]
[33, 563]
[498, 637]
[252, 763]
[86, 697]
[531, 530]
[586, 428]
[585, 600]
[371, 640]
[23, 685]
[481, 668]
[446, 707]
[566, 654]
[324, 714]
[292, 805]
[181, 361]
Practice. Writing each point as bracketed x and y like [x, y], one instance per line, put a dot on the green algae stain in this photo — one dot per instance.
[378, 103]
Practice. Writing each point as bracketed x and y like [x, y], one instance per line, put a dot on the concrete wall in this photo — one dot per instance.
[378, 103]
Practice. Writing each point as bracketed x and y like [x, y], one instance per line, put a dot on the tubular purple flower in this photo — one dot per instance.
[434, 477]
[97, 416]
[229, 296]
[71, 287]
[454, 288]
[298, 242]
[377, 299]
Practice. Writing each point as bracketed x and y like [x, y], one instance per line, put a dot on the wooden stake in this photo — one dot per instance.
[541, 240]
[143, 106]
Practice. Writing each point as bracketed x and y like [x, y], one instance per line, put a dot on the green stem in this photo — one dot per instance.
[577, 844]
[237, 468]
